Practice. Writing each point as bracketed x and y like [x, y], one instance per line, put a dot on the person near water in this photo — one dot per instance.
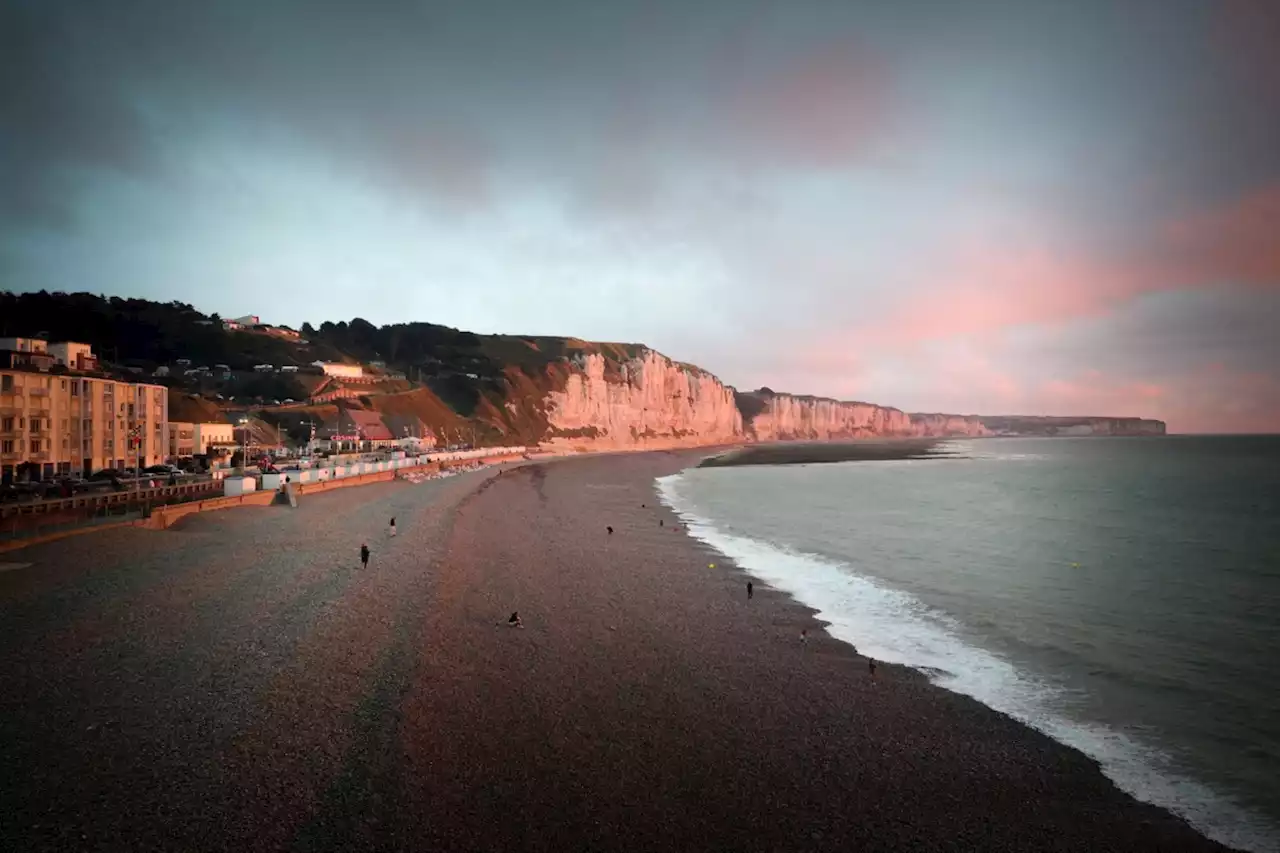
[871, 665]
[660, 524]
[804, 636]
[393, 525]
[364, 555]
[610, 529]
[514, 620]
[751, 590]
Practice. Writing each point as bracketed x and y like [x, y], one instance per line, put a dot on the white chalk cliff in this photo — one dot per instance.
[650, 401]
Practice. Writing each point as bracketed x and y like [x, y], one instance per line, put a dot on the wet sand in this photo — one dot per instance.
[237, 683]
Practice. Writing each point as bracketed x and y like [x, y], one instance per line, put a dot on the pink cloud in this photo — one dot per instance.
[824, 108]
[1238, 242]
[983, 284]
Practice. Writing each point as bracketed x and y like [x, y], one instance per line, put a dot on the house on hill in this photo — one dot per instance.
[340, 371]
[355, 430]
[409, 430]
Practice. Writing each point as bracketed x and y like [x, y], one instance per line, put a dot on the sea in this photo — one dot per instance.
[1121, 595]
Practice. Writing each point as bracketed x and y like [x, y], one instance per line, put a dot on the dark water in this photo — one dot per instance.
[1122, 595]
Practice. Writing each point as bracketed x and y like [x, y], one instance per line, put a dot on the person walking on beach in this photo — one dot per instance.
[751, 590]
[364, 556]
[804, 636]
[610, 529]
[393, 525]
[871, 666]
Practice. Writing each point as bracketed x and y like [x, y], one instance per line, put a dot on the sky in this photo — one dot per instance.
[996, 206]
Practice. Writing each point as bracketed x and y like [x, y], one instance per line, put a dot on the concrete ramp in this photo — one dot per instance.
[287, 494]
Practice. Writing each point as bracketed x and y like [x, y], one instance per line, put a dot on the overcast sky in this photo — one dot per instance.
[993, 206]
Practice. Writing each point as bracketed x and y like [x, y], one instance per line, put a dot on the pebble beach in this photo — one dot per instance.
[237, 682]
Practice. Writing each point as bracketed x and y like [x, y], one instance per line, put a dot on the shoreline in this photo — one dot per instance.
[242, 684]
[1212, 816]
[894, 763]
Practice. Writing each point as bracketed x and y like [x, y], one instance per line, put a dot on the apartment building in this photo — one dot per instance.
[55, 423]
[204, 439]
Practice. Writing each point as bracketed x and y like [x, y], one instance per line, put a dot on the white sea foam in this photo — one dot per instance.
[895, 627]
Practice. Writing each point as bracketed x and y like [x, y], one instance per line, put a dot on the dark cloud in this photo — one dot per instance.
[824, 195]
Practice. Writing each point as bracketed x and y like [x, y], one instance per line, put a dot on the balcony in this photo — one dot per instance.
[11, 391]
[37, 392]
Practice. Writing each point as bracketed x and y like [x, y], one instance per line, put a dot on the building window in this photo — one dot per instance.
[64, 424]
[6, 424]
[64, 384]
[75, 388]
[35, 445]
[66, 442]
[108, 445]
[6, 382]
[6, 446]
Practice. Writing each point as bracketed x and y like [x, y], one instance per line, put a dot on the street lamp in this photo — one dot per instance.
[244, 446]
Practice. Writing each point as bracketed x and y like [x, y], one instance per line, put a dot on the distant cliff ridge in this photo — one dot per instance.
[1059, 426]
[644, 399]
[786, 417]
[433, 380]
[770, 416]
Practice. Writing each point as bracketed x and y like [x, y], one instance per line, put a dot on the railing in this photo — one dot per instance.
[11, 391]
[39, 392]
[159, 495]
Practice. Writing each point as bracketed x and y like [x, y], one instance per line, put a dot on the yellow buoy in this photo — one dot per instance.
[711, 565]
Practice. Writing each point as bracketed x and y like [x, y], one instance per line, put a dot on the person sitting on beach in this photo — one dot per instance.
[393, 525]
[514, 621]
[610, 529]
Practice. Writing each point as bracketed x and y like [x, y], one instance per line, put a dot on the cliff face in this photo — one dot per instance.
[646, 401]
[941, 425]
[784, 417]
[1054, 426]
